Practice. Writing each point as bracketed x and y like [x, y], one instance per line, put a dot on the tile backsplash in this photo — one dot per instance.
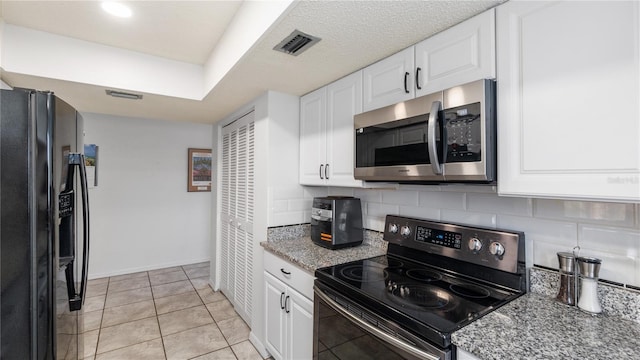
[609, 231]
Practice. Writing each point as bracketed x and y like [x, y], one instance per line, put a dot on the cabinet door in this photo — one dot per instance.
[344, 99]
[300, 326]
[458, 55]
[237, 203]
[313, 117]
[386, 82]
[568, 100]
[275, 324]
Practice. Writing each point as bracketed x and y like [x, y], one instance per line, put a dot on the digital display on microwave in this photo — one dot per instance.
[439, 237]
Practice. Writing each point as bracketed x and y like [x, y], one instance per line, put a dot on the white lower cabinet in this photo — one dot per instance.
[288, 313]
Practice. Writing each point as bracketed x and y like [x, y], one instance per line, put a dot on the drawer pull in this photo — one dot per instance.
[285, 272]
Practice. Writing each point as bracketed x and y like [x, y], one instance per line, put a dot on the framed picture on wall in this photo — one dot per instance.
[199, 178]
[91, 164]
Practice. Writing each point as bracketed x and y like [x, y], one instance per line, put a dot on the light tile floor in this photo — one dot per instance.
[168, 314]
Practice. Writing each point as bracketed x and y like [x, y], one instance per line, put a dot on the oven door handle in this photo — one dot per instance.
[373, 330]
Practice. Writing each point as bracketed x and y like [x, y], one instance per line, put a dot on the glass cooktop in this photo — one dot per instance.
[403, 289]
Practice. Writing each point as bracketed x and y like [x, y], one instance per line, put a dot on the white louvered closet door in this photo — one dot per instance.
[237, 214]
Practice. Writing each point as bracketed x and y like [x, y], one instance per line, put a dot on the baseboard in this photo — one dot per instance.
[258, 345]
[142, 268]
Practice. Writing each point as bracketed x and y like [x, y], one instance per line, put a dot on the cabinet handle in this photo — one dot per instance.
[418, 79]
[281, 303]
[285, 272]
[326, 171]
[321, 165]
[406, 77]
[286, 302]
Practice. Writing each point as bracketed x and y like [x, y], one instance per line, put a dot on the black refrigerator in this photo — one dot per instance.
[44, 227]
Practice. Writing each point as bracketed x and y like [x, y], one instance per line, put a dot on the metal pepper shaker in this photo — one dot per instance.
[567, 289]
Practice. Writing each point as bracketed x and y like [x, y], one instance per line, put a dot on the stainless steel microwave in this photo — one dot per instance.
[448, 136]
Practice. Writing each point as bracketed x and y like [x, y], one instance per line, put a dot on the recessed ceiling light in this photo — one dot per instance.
[116, 9]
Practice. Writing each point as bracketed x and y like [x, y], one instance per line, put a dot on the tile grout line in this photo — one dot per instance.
[95, 354]
[155, 307]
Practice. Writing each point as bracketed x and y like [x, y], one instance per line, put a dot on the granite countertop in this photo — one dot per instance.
[309, 256]
[538, 327]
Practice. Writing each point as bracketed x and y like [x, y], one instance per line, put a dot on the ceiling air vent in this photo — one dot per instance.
[124, 95]
[296, 43]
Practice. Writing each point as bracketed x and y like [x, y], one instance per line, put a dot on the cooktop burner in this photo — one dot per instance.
[470, 291]
[424, 275]
[394, 264]
[363, 273]
[420, 296]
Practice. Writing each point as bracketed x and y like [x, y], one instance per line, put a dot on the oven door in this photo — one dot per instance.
[344, 330]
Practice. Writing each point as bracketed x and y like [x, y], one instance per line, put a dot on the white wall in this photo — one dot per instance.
[142, 216]
[610, 231]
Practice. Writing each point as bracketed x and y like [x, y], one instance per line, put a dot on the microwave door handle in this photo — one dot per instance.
[436, 106]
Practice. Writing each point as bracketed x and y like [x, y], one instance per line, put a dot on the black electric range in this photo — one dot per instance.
[435, 279]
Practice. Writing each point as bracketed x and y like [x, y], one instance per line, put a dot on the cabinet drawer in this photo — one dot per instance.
[292, 275]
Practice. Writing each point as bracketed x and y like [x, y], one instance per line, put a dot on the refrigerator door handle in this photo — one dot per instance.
[76, 299]
[85, 227]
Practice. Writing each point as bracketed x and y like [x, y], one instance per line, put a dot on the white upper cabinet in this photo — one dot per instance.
[327, 133]
[389, 80]
[458, 55]
[313, 137]
[344, 99]
[568, 100]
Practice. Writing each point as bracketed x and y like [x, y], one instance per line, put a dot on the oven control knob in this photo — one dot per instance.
[393, 228]
[475, 244]
[405, 231]
[496, 249]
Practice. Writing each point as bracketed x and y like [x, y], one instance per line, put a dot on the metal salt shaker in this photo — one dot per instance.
[589, 269]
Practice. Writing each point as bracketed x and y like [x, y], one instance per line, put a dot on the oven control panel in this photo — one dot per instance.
[494, 248]
[438, 237]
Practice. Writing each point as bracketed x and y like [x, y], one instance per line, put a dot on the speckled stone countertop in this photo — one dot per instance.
[309, 256]
[538, 327]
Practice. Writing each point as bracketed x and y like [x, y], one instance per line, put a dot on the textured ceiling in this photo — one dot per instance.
[354, 34]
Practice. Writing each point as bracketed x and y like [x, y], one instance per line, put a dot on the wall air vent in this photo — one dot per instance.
[124, 95]
[296, 43]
